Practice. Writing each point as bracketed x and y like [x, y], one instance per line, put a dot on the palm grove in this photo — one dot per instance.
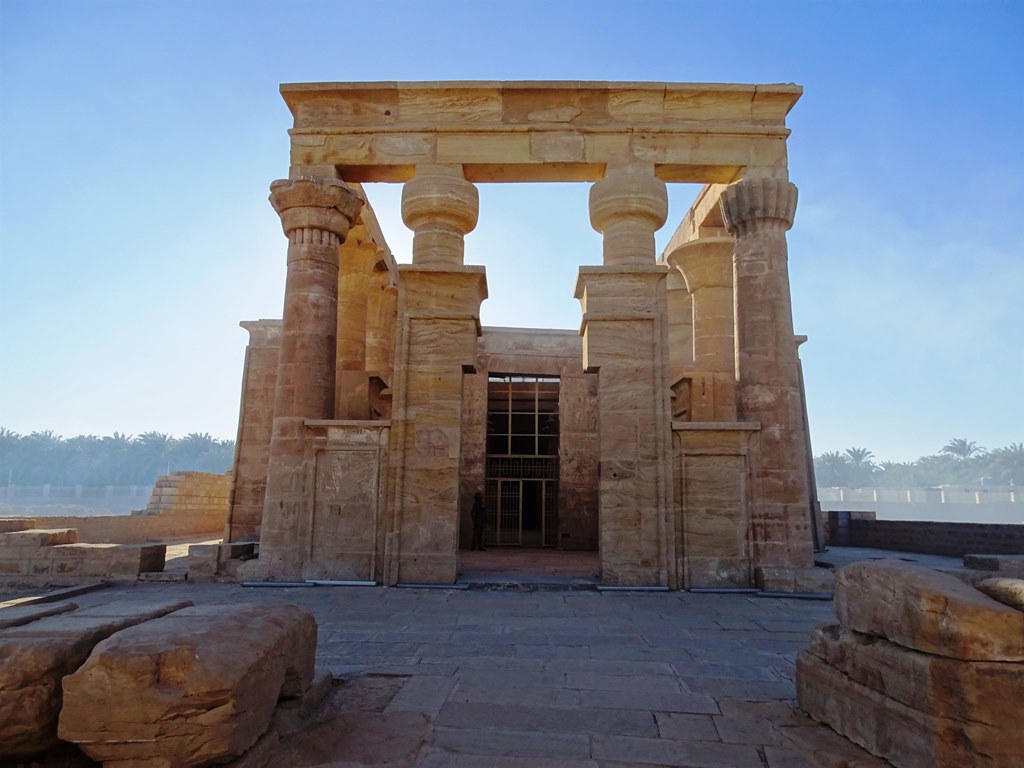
[118, 459]
[959, 462]
[46, 458]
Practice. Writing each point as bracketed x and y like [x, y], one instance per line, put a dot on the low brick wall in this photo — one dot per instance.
[182, 504]
[859, 529]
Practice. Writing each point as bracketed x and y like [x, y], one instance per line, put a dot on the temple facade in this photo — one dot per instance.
[668, 433]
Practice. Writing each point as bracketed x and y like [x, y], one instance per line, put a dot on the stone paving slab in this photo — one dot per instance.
[566, 679]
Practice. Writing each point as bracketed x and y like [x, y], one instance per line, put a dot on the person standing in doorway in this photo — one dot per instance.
[479, 517]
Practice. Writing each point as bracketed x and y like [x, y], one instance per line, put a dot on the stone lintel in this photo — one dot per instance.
[716, 426]
[705, 214]
[327, 423]
[539, 131]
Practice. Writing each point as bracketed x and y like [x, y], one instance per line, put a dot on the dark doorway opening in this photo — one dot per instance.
[522, 461]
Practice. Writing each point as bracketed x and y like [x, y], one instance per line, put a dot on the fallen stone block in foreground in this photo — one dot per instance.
[906, 737]
[972, 692]
[16, 616]
[36, 657]
[193, 688]
[1006, 591]
[927, 611]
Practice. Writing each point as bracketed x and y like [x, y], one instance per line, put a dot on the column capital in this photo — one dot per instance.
[628, 206]
[440, 207]
[311, 203]
[704, 263]
[750, 205]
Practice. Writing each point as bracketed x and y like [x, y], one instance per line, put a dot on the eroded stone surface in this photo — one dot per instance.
[192, 688]
[905, 736]
[17, 615]
[36, 657]
[986, 692]
[927, 611]
[1007, 591]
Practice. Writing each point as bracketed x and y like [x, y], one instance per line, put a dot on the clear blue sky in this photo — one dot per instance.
[138, 141]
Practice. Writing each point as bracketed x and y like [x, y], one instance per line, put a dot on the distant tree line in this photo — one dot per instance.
[959, 462]
[46, 458]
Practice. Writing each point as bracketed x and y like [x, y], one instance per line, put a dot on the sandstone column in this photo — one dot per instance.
[757, 212]
[625, 340]
[352, 398]
[438, 315]
[316, 215]
[381, 306]
[680, 325]
[706, 264]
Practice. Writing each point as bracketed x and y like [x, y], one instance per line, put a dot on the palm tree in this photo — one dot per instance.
[1009, 463]
[862, 465]
[962, 448]
[832, 469]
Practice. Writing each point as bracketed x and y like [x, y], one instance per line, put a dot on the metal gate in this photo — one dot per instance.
[522, 512]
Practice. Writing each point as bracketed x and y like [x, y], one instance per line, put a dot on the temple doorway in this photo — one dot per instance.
[522, 460]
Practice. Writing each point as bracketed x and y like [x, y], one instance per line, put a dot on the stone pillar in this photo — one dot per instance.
[316, 215]
[625, 340]
[706, 265]
[438, 315]
[255, 424]
[757, 212]
[357, 259]
[441, 208]
[381, 306]
[680, 325]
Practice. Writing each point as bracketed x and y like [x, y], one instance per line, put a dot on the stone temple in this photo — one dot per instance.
[668, 433]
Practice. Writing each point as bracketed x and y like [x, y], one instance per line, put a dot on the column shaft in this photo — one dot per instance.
[316, 215]
[625, 339]
[352, 399]
[438, 313]
[758, 212]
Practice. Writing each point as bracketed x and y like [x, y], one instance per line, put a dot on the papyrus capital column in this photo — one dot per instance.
[628, 206]
[316, 215]
[757, 212]
[759, 206]
[441, 208]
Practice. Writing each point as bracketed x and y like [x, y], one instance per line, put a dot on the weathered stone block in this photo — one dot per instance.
[927, 611]
[17, 615]
[193, 688]
[906, 737]
[980, 691]
[39, 537]
[1006, 565]
[1007, 591]
[810, 580]
[36, 657]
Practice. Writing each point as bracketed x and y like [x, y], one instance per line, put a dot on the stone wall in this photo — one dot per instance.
[182, 504]
[856, 529]
[255, 420]
[55, 556]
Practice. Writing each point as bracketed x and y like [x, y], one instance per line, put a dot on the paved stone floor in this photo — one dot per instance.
[445, 677]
